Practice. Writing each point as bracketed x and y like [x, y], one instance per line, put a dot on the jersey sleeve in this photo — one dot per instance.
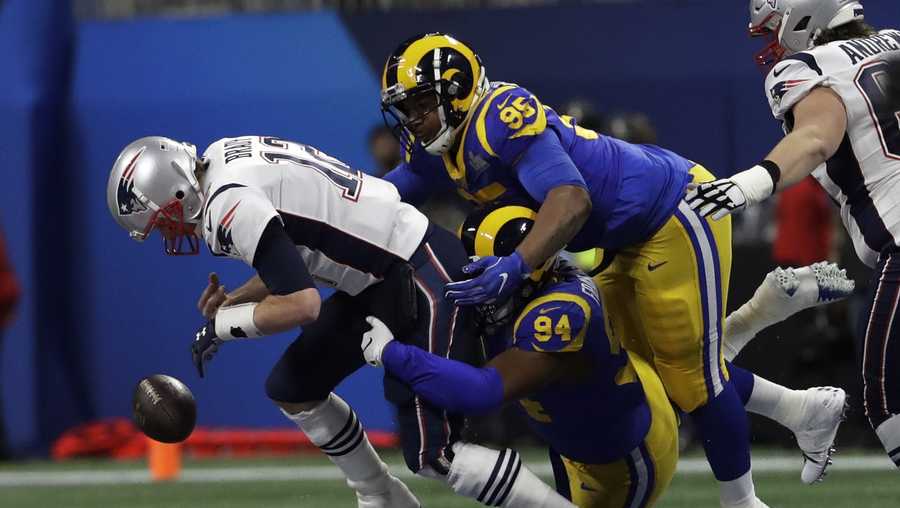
[509, 122]
[235, 222]
[555, 323]
[791, 80]
[545, 165]
[412, 186]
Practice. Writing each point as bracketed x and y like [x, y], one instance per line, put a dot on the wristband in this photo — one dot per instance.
[236, 322]
[755, 183]
[774, 172]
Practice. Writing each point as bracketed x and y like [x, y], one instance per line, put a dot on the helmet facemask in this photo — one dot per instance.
[404, 111]
[773, 51]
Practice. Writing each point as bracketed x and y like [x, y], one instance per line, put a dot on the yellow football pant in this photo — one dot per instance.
[643, 475]
[666, 301]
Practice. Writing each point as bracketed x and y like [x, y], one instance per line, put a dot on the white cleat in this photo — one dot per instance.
[397, 495]
[825, 409]
[810, 286]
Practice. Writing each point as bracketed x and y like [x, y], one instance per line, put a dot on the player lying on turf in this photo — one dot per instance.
[296, 214]
[603, 411]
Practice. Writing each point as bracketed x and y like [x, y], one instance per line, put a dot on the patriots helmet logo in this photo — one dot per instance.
[223, 231]
[127, 201]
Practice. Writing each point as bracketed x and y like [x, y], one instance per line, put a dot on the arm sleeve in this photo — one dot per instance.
[475, 390]
[412, 186]
[278, 262]
[545, 165]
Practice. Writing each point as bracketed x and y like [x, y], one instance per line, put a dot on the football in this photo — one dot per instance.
[164, 409]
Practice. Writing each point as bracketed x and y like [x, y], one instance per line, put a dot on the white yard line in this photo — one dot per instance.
[327, 472]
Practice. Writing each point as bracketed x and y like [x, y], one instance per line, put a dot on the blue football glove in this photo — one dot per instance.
[497, 278]
[205, 345]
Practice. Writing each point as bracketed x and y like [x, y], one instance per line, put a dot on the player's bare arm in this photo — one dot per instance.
[526, 372]
[280, 313]
[560, 217]
[820, 125]
[254, 290]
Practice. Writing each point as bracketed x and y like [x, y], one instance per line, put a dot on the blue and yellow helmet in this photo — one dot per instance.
[497, 231]
[439, 64]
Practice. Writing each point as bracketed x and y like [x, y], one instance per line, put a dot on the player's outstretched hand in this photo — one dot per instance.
[375, 340]
[724, 196]
[205, 345]
[718, 198]
[495, 279]
[212, 297]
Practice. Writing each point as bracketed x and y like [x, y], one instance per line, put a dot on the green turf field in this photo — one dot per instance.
[308, 482]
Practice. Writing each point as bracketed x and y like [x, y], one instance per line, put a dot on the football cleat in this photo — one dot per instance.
[826, 408]
[794, 289]
[397, 495]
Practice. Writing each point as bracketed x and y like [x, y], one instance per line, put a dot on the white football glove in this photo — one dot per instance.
[374, 341]
[722, 197]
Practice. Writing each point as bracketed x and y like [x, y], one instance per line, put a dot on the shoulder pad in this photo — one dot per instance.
[510, 116]
[555, 322]
[234, 220]
[790, 80]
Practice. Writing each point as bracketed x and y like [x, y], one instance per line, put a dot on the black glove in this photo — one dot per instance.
[205, 345]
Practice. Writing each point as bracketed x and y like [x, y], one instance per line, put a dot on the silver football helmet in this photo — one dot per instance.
[153, 186]
[793, 25]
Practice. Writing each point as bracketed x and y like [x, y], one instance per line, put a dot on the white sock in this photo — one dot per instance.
[889, 434]
[335, 429]
[778, 403]
[498, 478]
[738, 493]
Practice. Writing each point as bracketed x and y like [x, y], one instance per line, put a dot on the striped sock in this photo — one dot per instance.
[498, 478]
[335, 429]
[889, 434]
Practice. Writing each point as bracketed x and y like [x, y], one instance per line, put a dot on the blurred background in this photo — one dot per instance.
[86, 312]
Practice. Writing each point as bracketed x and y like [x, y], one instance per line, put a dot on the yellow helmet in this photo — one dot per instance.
[497, 231]
[432, 63]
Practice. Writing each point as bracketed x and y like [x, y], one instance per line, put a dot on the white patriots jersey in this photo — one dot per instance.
[348, 226]
[863, 177]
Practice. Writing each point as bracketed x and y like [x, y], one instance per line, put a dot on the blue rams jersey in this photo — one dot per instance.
[634, 188]
[602, 416]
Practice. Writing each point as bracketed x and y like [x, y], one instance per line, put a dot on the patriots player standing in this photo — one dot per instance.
[827, 84]
[668, 281]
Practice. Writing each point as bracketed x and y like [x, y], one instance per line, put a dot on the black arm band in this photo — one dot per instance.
[774, 172]
[278, 262]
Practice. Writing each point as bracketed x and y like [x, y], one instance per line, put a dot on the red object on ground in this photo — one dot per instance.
[119, 438]
[804, 230]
